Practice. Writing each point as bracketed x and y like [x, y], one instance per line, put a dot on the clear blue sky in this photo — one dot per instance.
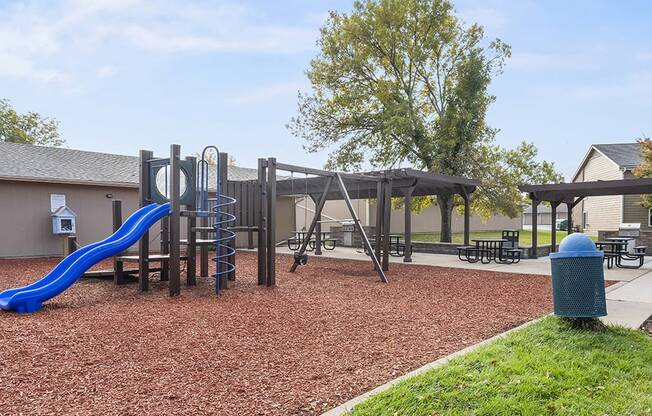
[121, 75]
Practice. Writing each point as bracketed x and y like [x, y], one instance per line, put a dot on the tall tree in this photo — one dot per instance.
[405, 82]
[29, 128]
[644, 170]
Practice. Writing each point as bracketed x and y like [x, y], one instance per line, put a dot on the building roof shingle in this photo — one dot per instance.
[625, 155]
[56, 164]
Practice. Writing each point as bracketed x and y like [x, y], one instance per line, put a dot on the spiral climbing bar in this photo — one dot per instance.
[220, 219]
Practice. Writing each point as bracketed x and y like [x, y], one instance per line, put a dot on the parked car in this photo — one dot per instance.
[562, 225]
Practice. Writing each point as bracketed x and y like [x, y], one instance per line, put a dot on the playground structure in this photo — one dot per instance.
[194, 189]
[216, 209]
[165, 186]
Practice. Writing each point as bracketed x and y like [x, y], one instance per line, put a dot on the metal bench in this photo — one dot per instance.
[464, 250]
[513, 254]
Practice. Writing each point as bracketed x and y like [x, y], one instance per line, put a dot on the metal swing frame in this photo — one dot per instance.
[267, 169]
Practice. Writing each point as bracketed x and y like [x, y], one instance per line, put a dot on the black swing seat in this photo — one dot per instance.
[301, 259]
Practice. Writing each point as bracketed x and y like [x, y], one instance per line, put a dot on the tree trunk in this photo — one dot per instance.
[446, 209]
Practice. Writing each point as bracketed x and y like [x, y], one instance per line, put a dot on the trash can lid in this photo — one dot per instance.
[577, 245]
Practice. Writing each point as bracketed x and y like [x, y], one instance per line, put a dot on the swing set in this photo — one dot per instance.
[334, 183]
[322, 185]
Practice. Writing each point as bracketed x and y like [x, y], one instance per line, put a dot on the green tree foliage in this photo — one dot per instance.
[29, 128]
[644, 170]
[404, 82]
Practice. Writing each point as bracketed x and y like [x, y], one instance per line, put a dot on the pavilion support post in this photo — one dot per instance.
[407, 229]
[569, 222]
[387, 211]
[535, 220]
[553, 235]
[175, 220]
[467, 217]
[318, 241]
[271, 222]
[118, 275]
[262, 222]
[143, 243]
[191, 235]
[380, 203]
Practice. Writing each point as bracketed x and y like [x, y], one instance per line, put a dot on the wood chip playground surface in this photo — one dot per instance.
[324, 335]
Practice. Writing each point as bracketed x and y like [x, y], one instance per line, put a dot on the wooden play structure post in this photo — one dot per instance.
[175, 226]
[262, 221]
[191, 235]
[165, 248]
[118, 275]
[224, 180]
[143, 243]
[271, 222]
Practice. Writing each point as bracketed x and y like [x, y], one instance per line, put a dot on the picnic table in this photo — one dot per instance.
[615, 251]
[326, 242]
[486, 250]
[396, 247]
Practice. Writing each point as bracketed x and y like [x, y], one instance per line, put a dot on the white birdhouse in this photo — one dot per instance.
[63, 221]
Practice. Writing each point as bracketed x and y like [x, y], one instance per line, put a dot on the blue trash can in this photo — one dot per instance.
[578, 278]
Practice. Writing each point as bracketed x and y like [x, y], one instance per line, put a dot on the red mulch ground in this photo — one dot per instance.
[324, 335]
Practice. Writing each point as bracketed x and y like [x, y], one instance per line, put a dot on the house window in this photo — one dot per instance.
[585, 219]
[649, 217]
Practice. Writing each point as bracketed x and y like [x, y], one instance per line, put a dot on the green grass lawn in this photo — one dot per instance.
[547, 368]
[525, 236]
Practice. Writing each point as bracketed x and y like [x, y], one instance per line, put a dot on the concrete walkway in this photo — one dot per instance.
[629, 303]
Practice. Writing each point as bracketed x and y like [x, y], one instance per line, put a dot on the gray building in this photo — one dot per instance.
[544, 216]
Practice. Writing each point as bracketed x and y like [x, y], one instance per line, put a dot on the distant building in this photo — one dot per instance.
[544, 216]
[606, 213]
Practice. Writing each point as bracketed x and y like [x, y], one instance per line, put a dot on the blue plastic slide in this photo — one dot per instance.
[31, 297]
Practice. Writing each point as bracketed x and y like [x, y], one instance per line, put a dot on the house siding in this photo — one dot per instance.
[27, 228]
[26, 224]
[633, 211]
[604, 212]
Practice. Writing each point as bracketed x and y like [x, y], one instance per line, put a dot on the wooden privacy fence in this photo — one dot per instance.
[247, 206]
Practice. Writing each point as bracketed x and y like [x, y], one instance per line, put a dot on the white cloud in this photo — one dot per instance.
[35, 37]
[266, 93]
[12, 66]
[105, 71]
